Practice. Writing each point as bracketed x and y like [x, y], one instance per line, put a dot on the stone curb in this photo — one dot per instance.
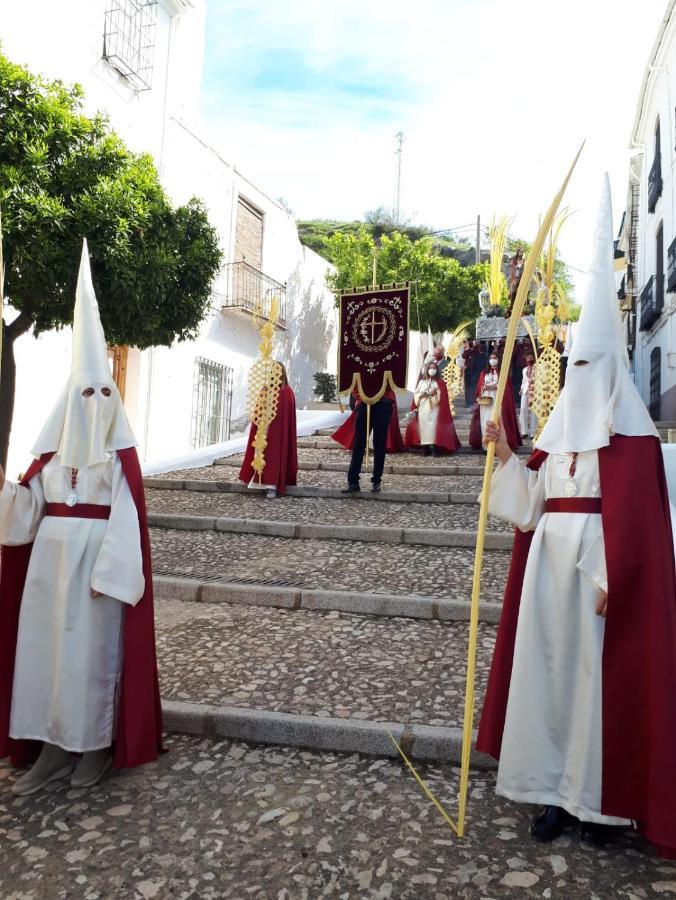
[257, 726]
[381, 534]
[326, 443]
[390, 468]
[387, 605]
[309, 490]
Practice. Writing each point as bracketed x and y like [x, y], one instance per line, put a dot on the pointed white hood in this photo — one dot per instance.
[84, 427]
[599, 399]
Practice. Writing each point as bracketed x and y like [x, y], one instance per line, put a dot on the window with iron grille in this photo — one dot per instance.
[212, 403]
[655, 382]
[129, 40]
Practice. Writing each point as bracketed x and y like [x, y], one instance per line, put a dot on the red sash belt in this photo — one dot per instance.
[79, 511]
[573, 505]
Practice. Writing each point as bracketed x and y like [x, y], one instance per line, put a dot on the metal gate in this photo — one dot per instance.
[212, 403]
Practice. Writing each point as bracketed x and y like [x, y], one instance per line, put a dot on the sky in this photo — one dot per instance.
[493, 97]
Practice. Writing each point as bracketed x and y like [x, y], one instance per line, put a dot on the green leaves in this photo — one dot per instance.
[446, 292]
[65, 176]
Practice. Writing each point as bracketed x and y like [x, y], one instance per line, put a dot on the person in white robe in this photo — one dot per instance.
[527, 421]
[551, 750]
[83, 571]
[427, 397]
[488, 392]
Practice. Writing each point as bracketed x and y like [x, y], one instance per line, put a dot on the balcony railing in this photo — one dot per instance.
[671, 267]
[652, 301]
[252, 291]
[655, 183]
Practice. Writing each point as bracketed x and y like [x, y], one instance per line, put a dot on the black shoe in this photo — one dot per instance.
[433, 451]
[351, 489]
[550, 823]
[376, 487]
[599, 835]
[426, 451]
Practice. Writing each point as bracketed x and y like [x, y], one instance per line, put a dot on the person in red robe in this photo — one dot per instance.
[482, 412]
[281, 454]
[580, 707]
[78, 669]
[431, 404]
[344, 435]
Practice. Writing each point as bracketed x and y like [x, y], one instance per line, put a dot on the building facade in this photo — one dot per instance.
[648, 234]
[141, 63]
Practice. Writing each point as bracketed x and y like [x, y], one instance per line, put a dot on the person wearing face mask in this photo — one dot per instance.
[78, 672]
[580, 707]
[486, 391]
[431, 426]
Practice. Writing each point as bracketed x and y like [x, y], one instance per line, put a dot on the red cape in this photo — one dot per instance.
[509, 419]
[446, 438]
[639, 649]
[394, 444]
[139, 728]
[281, 455]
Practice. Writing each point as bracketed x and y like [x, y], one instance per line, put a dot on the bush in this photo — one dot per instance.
[325, 386]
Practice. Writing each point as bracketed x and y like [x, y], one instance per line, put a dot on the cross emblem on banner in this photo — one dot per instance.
[373, 323]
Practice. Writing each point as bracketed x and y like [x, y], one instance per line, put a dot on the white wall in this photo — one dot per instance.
[658, 102]
[164, 122]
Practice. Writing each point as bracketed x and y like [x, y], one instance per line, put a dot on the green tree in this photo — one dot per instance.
[444, 294]
[65, 176]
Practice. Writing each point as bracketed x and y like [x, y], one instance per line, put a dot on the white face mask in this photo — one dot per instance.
[493, 361]
[432, 373]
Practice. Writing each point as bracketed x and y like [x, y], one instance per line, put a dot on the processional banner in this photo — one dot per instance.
[373, 352]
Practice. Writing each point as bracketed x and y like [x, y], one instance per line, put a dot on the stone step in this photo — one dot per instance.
[438, 573]
[301, 531]
[193, 590]
[319, 678]
[403, 464]
[321, 479]
[326, 443]
[168, 483]
[296, 512]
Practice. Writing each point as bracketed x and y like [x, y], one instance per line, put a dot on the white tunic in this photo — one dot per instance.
[428, 409]
[68, 658]
[526, 415]
[490, 387]
[552, 744]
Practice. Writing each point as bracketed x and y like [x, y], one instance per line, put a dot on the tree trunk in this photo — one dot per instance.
[19, 326]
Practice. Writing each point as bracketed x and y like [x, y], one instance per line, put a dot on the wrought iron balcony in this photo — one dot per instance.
[671, 267]
[655, 183]
[652, 301]
[251, 291]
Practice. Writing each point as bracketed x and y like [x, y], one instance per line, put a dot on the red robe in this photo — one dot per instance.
[139, 728]
[639, 649]
[345, 434]
[281, 455]
[509, 419]
[446, 438]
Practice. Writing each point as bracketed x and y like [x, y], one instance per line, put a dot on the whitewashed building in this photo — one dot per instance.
[140, 62]
[648, 234]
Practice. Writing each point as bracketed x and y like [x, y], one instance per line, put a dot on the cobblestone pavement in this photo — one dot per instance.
[318, 663]
[446, 517]
[308, 455]
[225, 820]
[436, 572]
[442, 483]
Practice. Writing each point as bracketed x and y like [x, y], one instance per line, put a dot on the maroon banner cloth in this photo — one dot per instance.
[79, 511]
[589, 505]
[139, 725]
[639, 646]
[373, 351]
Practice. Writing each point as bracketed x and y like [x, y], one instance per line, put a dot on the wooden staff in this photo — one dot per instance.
[517, 311]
